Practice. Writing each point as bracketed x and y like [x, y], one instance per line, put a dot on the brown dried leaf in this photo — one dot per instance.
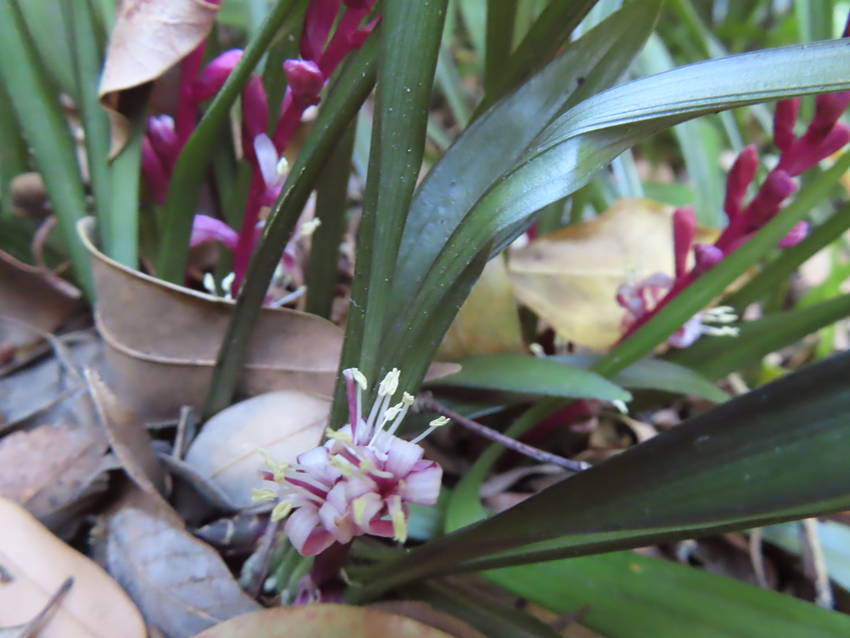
[50, 469]
[326, 620]
[570, 277]
[128, 438]
[38, 564]
[283, 423]
[149, 37]
[180, 584]
[488, 321]
[161, 354]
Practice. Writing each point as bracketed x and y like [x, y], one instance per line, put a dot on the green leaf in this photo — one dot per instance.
[632, 596]
[656, 374]
[40, 116]
[331, 198]
[184, 189]
[466, 171]
[525, 374]
[501, 15]
[344, 99]
[410, 41]
[777, 453]
[715, 357]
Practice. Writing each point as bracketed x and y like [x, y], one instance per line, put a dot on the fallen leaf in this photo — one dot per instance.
[161, 355]
[148, 38]
[325, 620]
[488, 321]
[570, 277]
[36, 299]
[128, 438]
[49, 470]
[179, 583]
[285, 424]
[33, 628]
[424, 613]
[38, 564]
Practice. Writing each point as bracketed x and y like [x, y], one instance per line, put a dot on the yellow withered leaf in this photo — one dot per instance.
[570, 277]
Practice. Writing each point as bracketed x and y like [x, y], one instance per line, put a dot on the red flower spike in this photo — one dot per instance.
[215, 74]
[767, 201]
[153, 172]
[740, 176]
[317, 27]
[828, 108]
[163, 139]
[684, 229]
[804, 155]
[795, 235]
[783, 122]
[255, 114]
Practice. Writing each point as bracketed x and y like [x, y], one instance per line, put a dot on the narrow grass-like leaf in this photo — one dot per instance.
[39, 114]
[184, 190]
[524, 374]
[789, 259]
[777, 453]
[86, 61]
[501, 15]
[410, 41]
[342, 103]
[627, 595]
[331, 198]
[13, 151]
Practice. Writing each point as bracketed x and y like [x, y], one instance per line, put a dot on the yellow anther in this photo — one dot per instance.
[281, 510]
[263, 494]
[439, 422]
[390, 383]
[407, 399]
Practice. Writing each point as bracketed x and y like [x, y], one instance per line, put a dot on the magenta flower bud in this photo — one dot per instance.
[163, 139]
[784, 118]
[255, 113]
[359, 5]
[772, 193]
[305, 79]
[795, 235]
[805, 155]
[317, 27]
[740, 176]
[706, 256]
[684, 229]
[828, 108]
[206, 229]
[216, 73]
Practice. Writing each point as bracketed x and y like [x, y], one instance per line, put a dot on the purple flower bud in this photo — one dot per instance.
[784, 118]
[740, 176]
[795, 235]
[706, 256]
[684, 229]
[305, 78]
[163, 139]
[216, 73]
[206, 229]
[772, 193]
[255, 113]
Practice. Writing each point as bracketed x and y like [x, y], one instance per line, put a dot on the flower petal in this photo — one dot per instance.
[305, 534]
[422, 486]
[206, 229]
[402, 456]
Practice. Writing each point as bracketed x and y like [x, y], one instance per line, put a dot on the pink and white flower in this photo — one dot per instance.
[361, 480]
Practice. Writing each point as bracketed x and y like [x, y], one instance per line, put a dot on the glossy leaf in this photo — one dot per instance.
[633, 596]
[774, 454]
[464, 173]
[525, 374]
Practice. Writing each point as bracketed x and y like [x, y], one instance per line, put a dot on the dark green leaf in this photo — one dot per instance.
[632, 596]
[777, 453]
[525, 374]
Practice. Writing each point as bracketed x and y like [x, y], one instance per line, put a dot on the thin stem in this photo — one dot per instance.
[430, 404]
